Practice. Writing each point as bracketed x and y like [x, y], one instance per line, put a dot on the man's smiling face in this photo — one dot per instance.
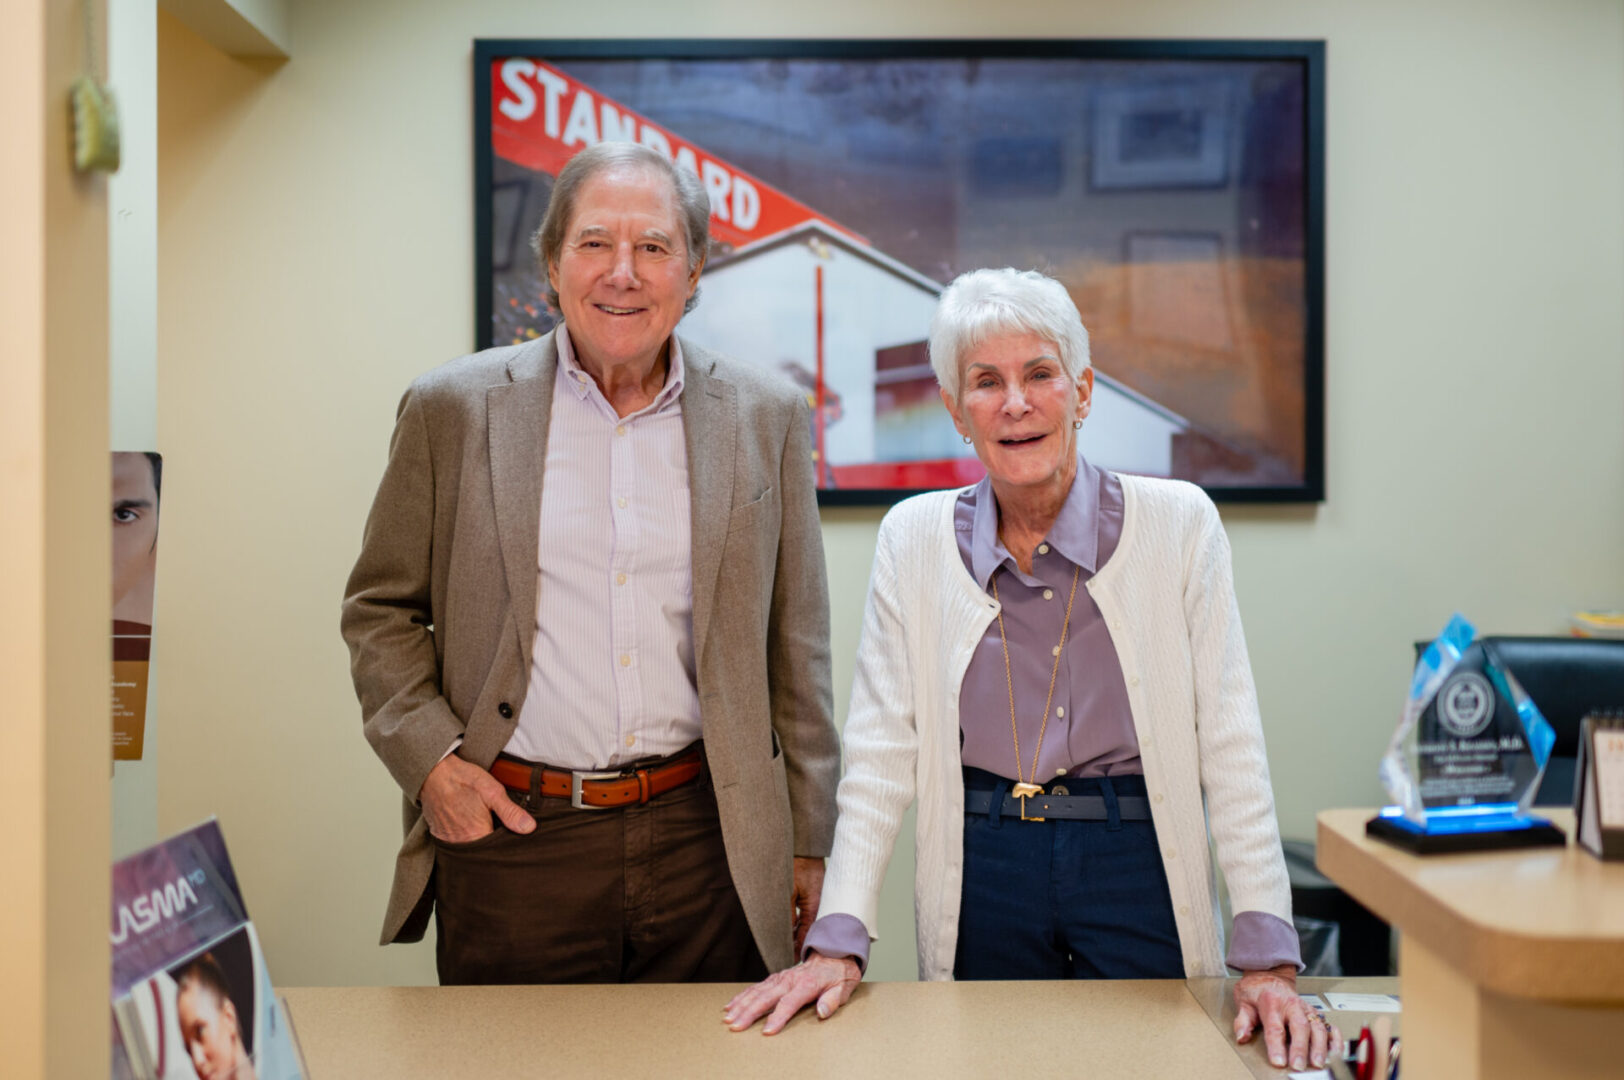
[622, 270]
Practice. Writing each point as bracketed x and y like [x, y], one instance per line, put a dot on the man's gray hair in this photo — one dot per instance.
[985, 304]
[693, 206]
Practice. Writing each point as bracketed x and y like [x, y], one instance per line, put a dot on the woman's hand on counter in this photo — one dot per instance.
[1268, 999]
[778, 997]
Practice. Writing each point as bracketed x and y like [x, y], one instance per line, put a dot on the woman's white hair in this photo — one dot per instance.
[984, 304]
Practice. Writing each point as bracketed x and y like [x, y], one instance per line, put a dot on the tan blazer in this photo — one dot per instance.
[439, 612]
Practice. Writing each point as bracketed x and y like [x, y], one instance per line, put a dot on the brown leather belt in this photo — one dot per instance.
[603, 790]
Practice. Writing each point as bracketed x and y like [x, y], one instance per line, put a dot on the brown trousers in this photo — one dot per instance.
[640, 894]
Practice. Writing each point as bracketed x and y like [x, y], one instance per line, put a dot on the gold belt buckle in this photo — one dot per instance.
[1023, 792]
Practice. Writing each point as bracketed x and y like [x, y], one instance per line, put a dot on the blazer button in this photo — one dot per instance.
[506, 710]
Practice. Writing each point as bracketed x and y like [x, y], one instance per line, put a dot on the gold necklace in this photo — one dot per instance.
[1024, 787]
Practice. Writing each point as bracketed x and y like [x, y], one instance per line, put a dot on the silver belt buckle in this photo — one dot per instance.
[575, 788]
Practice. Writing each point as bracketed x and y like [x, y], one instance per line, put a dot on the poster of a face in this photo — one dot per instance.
[1171, 187]
[137, 482]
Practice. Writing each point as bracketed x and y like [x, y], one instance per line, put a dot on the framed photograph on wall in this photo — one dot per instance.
[1176, 188]
[1171, 134]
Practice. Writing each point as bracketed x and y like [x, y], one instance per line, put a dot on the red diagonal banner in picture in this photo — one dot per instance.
[541, 117]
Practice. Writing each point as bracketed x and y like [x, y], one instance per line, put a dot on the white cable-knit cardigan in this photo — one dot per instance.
[1168, 596]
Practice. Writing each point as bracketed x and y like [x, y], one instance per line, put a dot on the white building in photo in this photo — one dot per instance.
[763, 302]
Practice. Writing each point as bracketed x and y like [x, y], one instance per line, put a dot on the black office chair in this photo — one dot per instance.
[1568, 678]
[1364, 942]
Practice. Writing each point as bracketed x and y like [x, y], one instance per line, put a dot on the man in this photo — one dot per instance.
[588, 553]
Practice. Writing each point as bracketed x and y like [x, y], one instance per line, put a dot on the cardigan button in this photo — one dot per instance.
[505, 710]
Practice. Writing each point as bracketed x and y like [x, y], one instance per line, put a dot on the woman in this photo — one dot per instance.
[1052, 664]
[209, 1022]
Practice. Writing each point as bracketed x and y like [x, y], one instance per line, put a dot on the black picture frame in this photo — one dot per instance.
[1190, 165]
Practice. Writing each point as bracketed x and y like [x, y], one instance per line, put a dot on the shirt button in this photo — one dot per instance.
[1171, 854]
[1156, 797]
[1060, 710]
[1043, 549]
[1048, 594]
[621, 502]
[630, 739]
[1055, 651]
[620, 430]
[1184, 909]
[625, 660]
[1133, 680]
[1116, 624]
[620, 579]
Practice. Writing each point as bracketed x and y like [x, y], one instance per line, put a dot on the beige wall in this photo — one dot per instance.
[316, 253]
[54, 562]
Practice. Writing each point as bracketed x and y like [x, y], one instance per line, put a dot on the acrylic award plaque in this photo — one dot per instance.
[1467, 756]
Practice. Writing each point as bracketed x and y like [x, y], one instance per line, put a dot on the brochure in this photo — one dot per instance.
[137, 481]
[192, 996]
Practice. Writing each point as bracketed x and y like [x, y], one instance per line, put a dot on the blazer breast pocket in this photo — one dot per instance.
[752, 513]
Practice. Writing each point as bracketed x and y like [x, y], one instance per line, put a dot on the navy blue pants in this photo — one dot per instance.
[1064, 899]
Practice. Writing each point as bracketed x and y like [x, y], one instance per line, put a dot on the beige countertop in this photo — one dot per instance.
[1118, 1029]
[1543, 923]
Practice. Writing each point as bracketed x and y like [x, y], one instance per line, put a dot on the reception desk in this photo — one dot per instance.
[1511, 964]
[1123, 1030]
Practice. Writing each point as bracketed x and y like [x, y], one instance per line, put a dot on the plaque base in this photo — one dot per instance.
[1476, 832]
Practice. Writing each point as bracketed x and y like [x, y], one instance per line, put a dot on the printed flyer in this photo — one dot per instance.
[137, 482]
[192, 995]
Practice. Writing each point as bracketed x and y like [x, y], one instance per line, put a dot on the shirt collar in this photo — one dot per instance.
[1075, 533]
[576, 377]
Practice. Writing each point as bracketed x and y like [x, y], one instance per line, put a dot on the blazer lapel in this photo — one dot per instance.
[518, 413]
[709, 418]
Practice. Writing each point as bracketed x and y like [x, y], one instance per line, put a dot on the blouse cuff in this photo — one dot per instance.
[838, 936]
[1258, 941]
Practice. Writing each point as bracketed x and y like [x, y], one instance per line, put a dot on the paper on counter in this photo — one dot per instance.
[1363, 1002]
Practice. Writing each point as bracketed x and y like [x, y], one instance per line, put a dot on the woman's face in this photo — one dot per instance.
[1017, 406]
[209, 1026]
[135, 529]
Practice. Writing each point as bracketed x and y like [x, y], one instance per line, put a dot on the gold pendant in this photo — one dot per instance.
[1023, 791]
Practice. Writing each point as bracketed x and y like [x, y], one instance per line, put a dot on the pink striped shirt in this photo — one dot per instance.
[612, 679]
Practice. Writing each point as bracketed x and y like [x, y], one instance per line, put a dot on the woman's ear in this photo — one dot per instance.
[1085, 393]
[953, 411]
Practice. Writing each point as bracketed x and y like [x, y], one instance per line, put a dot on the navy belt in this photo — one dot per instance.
[1066, 807]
